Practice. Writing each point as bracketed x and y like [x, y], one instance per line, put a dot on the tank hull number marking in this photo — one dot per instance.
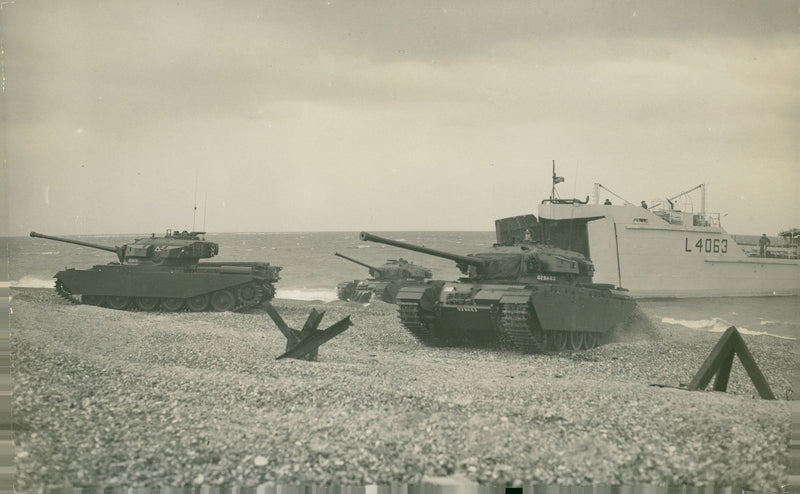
[707, 245]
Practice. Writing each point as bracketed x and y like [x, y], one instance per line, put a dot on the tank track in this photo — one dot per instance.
[264, 292]
[378, 295]
[362, 296]
[341, 293]
[64, 293]
[515, 323]
[412, 319]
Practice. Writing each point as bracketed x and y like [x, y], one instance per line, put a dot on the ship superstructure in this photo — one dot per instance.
[660, 250]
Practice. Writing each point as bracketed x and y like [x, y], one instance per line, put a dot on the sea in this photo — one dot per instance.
[311, 272]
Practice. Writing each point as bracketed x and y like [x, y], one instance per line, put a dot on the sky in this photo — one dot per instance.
[122, 117]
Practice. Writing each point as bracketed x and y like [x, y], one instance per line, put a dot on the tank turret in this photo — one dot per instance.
[532, 296]
[511, 262]
[177, 248]
[165, 273]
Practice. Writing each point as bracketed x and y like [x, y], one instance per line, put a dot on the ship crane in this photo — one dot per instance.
[702, 188]
[598, 186]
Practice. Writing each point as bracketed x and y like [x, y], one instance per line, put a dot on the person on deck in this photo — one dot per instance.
[607, 203]
[763, 243]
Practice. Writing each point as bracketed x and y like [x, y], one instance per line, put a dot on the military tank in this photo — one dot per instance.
[530, 296]
[164, 273]
[386, 280]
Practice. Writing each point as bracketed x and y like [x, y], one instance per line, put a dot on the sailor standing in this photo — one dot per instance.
[763, 242]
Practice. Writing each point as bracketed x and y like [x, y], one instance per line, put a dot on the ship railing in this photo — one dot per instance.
[671, 217]
[706, 219]
[674, 217]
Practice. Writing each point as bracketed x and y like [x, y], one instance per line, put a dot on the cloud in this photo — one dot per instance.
[410, 108]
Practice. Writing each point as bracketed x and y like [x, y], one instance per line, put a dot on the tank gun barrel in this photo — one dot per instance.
[371, 268]
[463, 260]
[77, 242]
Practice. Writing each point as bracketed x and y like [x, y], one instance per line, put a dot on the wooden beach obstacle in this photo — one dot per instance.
[720, 360]
[304, 344]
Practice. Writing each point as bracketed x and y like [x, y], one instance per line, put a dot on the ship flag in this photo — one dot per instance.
[557, 180]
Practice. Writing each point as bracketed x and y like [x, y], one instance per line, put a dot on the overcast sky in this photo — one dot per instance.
[409, 115]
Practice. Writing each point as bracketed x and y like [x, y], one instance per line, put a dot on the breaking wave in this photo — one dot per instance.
[323, 295]
[717, 325]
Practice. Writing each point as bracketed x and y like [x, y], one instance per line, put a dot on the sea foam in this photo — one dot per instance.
[323, 295]
[717, 325]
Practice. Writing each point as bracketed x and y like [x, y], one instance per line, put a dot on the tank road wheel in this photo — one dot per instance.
[248, 294]
[558, 340]
[592, 339]
[576, 340]
[172, 304]
[92, 299]
[118, 302]
[222, 301]
[147, 303]
[198, 303]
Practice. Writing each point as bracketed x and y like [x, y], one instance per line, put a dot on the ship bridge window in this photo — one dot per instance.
[640, 220]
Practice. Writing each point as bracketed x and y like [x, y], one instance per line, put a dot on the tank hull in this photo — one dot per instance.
[530, 318]
[365, 290]
[203, 286]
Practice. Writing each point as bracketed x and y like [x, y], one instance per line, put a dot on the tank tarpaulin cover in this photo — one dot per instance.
[501, 266]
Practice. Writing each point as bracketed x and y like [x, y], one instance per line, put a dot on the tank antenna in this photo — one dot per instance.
[205, 207]
[194, 213]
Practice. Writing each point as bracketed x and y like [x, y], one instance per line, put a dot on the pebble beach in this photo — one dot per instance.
[137, 399]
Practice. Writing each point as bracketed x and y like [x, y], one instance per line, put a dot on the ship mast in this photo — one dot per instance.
[556, 180]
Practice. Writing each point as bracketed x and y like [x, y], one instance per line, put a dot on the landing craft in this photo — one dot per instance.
[164, 273]
[662, 247]
[534, 296]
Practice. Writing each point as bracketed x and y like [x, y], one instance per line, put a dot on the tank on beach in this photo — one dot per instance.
[165, 273]
[530, 295]
[386, 280]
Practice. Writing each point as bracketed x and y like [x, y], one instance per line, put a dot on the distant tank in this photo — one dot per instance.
[532, 296]
[164, 273]
[386, 280]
